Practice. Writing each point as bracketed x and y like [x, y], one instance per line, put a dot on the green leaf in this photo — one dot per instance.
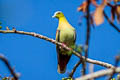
[0, 23]
[78, 48]
[0, 27]
[5, 78]
[113, 79]
[69, 52]
[118, 77]
[69, 78]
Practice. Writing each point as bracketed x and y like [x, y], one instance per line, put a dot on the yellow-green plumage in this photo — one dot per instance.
[65, 34]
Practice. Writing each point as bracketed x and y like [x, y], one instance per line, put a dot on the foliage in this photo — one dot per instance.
[98, 15]
[69, 78]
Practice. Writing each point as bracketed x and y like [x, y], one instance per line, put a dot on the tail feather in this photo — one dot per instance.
[62, 62]
[61, 70]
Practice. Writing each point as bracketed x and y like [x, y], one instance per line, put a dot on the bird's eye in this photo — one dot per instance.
[58, 13]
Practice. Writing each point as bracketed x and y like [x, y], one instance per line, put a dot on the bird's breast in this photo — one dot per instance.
[67, 36]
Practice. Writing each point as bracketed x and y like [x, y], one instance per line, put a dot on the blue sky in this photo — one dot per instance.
[35, 58]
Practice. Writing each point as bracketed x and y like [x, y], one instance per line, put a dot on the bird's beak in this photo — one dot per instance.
[53, 16]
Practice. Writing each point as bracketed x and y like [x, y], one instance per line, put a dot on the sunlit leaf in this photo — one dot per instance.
[83, 6]
[98, 15]
[113, 79]
[78, 48]
[116, 1]
[118, 13]
[94, 2]
[118, 77]
[0, 27]
[7, 28]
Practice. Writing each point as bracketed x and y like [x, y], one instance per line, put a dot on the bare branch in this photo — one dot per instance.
[75, 67]
[9, 67]
[107, 65]
[98, 74]
[91, 69]
[110, 22]
[87, 37]
[116, 65]
[88, 29]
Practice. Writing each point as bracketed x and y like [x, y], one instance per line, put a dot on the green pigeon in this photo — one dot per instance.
[65, 34]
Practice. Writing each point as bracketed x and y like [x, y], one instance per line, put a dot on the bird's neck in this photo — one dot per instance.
[63, 23]
[62, 20]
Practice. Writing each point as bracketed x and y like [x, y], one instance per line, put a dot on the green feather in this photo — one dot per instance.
[65, 34]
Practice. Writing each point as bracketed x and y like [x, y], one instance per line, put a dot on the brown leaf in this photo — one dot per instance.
[116, 1]
[104, 2]
[12, 78]
[94, 3]
[98, 15]
[7, 28]
[118, 13]
[83, 7]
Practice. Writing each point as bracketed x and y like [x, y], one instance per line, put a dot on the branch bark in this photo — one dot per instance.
[99, 74]
[111, 23]
[74, 69]
[107, 65]
[9, 67]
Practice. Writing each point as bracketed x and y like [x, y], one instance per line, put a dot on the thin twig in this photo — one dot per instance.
[107, 65]
[9, 67]
[91, 69]
[87, 37]
[88, 29]
[110, 22]
[98, 74]
[74, 68]
[116, 65]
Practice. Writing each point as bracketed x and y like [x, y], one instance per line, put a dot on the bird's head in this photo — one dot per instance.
[58, 14]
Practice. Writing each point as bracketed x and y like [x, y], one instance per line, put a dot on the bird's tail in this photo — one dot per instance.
[62, 63]
[61, 69]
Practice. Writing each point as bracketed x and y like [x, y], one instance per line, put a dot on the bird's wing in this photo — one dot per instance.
[62, 59]
[58, 39]
[75, 36]
[58, 35]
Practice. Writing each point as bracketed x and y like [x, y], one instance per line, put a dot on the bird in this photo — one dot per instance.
[66, 34]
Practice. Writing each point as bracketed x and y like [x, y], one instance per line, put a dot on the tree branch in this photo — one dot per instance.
[87, 37]
[107, 65]
[98, 74]
[74, 69]
[9, 67]
[110, 22]
[91, 69]
[116, 65]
